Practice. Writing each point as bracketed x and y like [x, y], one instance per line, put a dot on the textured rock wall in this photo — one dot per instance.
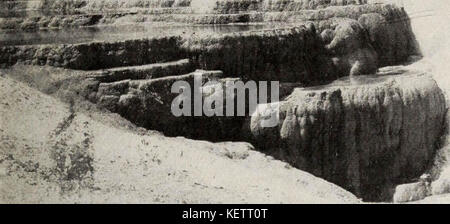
[51, 21]
[262, 55]
[290, 55]
[14, 8]
[392, 39]
[76, 155]
[237, 6]
[95, 55]
[322, 17]
[366, 138]
[67, 6]
[388, 26]
[215, 6]
[118, 4]
[349, 47]
[147, 103]
[380, 35]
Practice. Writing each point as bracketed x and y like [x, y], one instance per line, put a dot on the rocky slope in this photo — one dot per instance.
[52, 152]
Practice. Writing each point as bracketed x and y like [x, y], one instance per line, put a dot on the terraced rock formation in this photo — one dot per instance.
[352, 134]
[366, 137]
[54, 152]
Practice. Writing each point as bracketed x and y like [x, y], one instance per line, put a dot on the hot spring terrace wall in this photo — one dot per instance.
[261, 55]
[366, 138]
[95, 55]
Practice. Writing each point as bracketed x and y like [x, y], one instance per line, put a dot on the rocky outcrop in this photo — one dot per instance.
[411, 192]
[148, 103]
[388, 26]
[210, 6]
[286, 55]
[379, 35]
[77, 6]
[144, 96]
[392, 38]
[90, 56]
[150, 71]
[19, 5]
[261, 55]
[50, 21]
[238, 6]
[120, 4]
[51, 152]
[350, 48]
[366, 138]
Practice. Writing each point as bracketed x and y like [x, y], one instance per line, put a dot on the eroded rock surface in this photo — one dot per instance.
[366, 135]
[51, 152]
[366, 138]
[361, 38]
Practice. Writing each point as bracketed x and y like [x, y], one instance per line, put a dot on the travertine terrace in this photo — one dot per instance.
[367, 134]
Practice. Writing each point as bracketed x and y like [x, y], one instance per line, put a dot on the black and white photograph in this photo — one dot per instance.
[229, 102]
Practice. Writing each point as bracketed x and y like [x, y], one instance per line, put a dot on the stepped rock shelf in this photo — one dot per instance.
[367, 135]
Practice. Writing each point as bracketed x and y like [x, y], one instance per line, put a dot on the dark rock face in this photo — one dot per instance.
[366, 138]
[150, 71]
[393, 41]
[92, 56]
[295, 53]
[148, 103]
[55, 21]
[289, 55]
[378, 35]
[76, 156]
[350, 49]
[237, 6]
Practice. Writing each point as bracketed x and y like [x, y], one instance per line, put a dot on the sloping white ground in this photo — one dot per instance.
[429, 19]
[51, 152]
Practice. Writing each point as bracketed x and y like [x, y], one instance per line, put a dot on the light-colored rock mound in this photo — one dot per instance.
[366, 137]
[51, 152]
